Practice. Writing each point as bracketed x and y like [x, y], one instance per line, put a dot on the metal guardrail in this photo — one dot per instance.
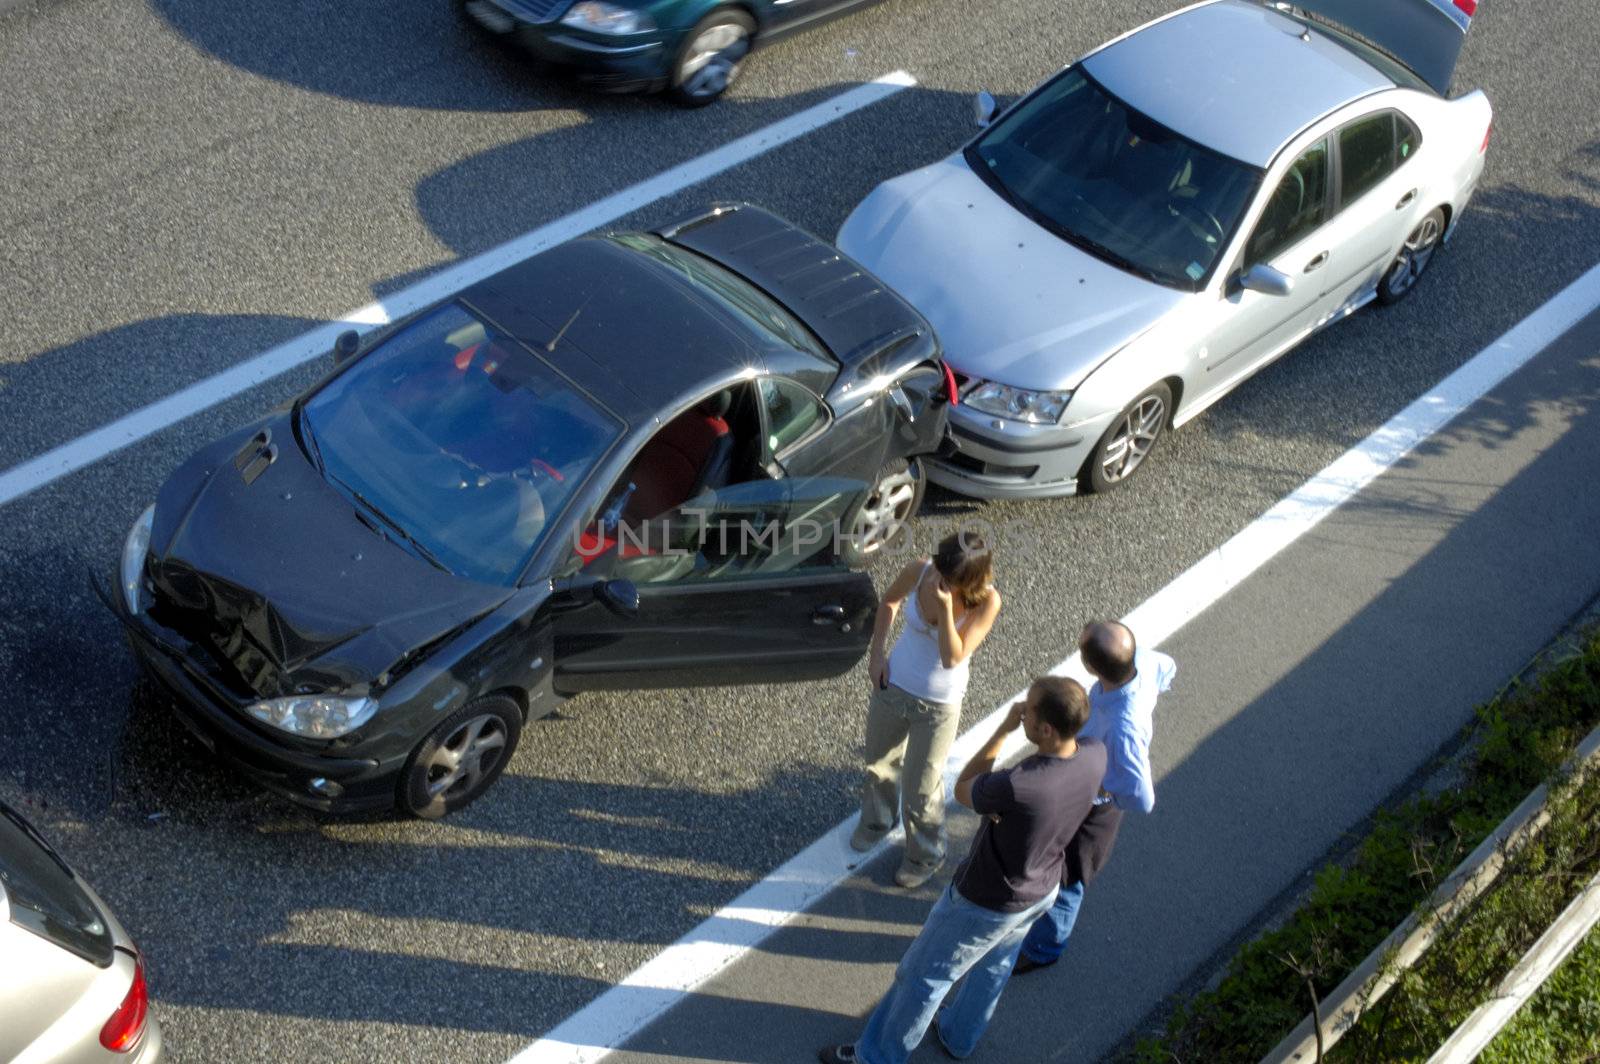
[1529, 974]
[1374, 976]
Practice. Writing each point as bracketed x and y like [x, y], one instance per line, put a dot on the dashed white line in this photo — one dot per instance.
[89, 448]
[667, 979]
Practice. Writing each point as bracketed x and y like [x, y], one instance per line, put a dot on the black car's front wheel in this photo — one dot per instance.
[893, 500]
[1128, 441]
[710, 58]
[460, 758]
[1400, 279]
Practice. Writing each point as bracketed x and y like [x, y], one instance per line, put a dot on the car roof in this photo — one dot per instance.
[1234, 75]
[623, 328]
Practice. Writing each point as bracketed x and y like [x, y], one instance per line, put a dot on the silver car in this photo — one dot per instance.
[72, 987]
[1167, 215]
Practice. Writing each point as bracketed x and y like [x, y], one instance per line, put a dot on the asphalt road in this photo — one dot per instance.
[186, 184]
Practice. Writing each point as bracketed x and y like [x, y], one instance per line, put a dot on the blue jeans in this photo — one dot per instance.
[1047, 938]
[959, 938]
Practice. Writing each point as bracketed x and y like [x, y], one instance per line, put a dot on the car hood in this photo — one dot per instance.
[278, 578]
[1011, 301]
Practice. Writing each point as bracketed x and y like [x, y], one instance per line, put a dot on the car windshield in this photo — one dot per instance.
[43, 895]
[458, 442]
[1082, 164]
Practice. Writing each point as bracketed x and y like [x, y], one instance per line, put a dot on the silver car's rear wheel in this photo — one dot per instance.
[710, 58]
[460, 758]
[1415, 254]
[1128, 441]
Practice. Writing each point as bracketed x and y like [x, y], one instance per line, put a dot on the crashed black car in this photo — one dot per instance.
[636, 460]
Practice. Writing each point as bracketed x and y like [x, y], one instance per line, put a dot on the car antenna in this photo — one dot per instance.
[556, 339]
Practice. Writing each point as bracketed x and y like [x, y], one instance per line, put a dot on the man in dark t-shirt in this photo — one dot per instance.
[1011, 875]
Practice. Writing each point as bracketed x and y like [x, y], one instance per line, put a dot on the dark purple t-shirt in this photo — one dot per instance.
[1041, 801]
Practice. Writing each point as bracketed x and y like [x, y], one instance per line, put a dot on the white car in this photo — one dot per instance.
[1142, 232]
[72, 988]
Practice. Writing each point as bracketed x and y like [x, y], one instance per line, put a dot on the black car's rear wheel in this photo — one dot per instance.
[893, 501]
[1402, 275]
[460, 758]
[1129, 440]
[710, 57]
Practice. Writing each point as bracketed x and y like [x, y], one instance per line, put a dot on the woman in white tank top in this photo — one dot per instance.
[950, 604]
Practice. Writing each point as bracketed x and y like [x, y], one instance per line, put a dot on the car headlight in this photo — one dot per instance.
[1018, 404]
[597, 16]
[133, 552]
[315, 716]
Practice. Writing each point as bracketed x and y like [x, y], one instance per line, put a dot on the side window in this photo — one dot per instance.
[1366, 155]
[792, 413]
[1298, 205]
[1407, 140]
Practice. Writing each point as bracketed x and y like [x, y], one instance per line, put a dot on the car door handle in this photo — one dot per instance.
[1405, 201]
[1316, 263]
[827, 615]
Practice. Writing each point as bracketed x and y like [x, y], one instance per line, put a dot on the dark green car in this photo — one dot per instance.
[690, 48]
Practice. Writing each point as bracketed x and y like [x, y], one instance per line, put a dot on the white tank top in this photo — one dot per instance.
[915, 665]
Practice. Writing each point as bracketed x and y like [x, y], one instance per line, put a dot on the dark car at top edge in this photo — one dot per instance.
[692, 49]
[634, 460]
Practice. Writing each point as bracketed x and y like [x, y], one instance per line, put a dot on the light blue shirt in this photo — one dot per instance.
[1124, 719]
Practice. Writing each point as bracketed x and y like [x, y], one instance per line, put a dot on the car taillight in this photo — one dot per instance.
[950, 384]
[121, 1032]
[1488, 129]
[1468, 7]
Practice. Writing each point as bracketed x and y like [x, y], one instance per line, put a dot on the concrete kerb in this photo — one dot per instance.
[1375, 975]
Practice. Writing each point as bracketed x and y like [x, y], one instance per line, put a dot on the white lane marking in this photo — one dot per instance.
[666, 980]
[89, 448]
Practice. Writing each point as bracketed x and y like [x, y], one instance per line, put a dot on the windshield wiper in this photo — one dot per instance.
[394, 526]
[1097, 248]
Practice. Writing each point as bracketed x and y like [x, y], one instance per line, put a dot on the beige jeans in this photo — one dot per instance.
[908, 739]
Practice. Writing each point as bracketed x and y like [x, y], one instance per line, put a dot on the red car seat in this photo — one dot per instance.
[693, 452]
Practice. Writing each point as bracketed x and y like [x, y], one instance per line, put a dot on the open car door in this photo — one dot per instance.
[744, 584]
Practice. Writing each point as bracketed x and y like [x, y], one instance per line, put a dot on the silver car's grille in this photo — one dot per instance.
[534, 10]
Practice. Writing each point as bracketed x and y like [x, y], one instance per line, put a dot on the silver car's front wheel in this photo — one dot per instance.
[1128, 441]
[710, 58]
[1415, 254]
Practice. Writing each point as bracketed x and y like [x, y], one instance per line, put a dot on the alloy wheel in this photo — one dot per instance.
[887, 509]
[1414, 256]
[1135, 435]
[471, 752]
[713, 58]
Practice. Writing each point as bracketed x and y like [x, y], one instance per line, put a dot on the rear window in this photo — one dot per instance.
[44, 896]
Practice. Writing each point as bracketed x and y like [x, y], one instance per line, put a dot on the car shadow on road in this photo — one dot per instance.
[372, 51]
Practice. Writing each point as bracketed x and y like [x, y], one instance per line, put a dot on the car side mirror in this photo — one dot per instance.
[1266, 280]
[621, 597]
[345, 346]
[983, 109]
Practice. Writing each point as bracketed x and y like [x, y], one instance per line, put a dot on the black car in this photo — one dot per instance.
[636, 460]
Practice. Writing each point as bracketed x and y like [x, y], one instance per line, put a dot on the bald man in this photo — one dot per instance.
[1122, 705]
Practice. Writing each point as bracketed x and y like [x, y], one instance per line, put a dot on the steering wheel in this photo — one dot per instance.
[1199, 220]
